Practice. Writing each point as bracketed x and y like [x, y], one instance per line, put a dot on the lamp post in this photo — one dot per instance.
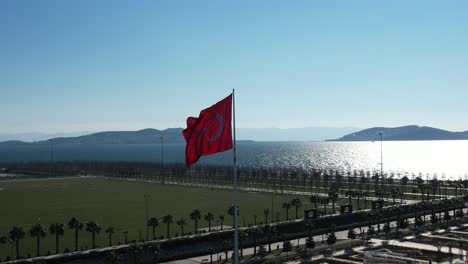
[381, 154]
[51, 152]
[162, 157]
[146, 196]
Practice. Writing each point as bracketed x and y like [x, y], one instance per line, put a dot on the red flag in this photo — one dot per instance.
[210, 133]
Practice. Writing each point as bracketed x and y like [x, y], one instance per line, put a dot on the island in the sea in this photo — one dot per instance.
[403, 133]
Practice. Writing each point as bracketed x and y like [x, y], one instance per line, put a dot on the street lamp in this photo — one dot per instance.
[381, 154]
[51, 152]
[146, 196]
[162, 157]
[162, 149]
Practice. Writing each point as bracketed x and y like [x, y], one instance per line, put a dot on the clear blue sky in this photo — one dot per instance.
[123, 65]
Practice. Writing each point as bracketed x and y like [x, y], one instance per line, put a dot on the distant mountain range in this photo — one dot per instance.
[174, 135]
[144, 136]
[404, 133]
[38, 136]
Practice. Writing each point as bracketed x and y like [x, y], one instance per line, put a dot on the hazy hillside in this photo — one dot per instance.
[174, 135]
[145, 136]
[404, 133]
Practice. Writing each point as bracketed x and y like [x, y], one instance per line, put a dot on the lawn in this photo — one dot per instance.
[120, 204]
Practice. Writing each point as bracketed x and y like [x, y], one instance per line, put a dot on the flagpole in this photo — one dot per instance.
[236, 210]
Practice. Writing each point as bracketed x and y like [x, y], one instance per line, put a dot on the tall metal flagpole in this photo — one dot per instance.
[236, 245]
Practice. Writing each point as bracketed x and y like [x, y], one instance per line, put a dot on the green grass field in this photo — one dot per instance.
[120, 204]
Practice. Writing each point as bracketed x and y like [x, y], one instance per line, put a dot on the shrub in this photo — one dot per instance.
[262, 250]
[447, 216]
[434, 219]
[331, 239]
[287, 246]
[310, 243]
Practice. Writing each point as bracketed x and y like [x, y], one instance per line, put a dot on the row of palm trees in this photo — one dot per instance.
[38, 231]
[58, 229]
[255, 232]
[196, 216]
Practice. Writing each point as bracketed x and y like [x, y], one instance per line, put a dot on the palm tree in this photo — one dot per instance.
[168, 219]
[370, 231]
[376, 179]
[350, 194]
[395, 193]
[297, 203]
[286, 207]
[221, 220]
[226, 245]
[195, 215]
[110, 231]
[15, 235]
[113, 257]
[74, 223]
[363, 195]
[333, 196]
[3, 239]
[254, 232]
[155, 250]
[38, 231]
[211, 251]
[266, 212]
[310, 225]
[269, 231]
[447, 216]
[420, 183]
[135, 251]
[351, 234]
[387, 229]
[209, 217]
[153, 222]
[314, 199]
[58, 230]
[230, 212]
[324, 201]
[125, 233]
[403, 181]
[358, 194]
[418, 222]
[181, 222]
[93, 228]
[380, 194]
[403, 223]
[310, 243]
[242, 237]
[331, 239]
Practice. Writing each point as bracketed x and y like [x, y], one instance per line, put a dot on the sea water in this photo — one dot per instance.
[444, 158]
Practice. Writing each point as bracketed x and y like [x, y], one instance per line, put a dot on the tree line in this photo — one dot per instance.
[273, 179]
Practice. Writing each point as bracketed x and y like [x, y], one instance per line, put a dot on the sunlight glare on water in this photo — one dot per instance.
[399, 157]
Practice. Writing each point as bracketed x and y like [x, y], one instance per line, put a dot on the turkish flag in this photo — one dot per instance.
[210, 133]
